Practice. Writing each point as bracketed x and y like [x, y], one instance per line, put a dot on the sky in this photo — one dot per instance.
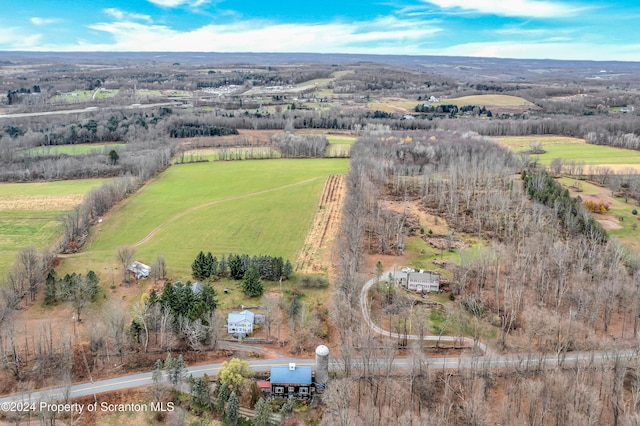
[541, 29]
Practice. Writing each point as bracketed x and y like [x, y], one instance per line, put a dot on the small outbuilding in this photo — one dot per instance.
[139, 269]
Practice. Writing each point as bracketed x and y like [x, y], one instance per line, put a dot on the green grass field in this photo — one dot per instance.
[487, 100]
[253, 207]
[398, 105]
[573, 149]
[28, 213]
[85, 95]
[79, 149]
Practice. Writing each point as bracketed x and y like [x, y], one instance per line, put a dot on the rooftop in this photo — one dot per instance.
[284, 375]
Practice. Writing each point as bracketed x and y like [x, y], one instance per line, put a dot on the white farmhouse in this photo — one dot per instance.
[240, 323]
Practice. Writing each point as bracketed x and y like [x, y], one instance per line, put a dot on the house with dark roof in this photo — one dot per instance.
[291, 382]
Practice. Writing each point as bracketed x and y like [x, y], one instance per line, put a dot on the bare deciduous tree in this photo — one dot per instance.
[125, 255]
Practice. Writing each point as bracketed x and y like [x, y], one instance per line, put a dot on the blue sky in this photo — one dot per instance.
[571, 29]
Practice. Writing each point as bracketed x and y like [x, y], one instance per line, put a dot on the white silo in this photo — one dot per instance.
[322, 367]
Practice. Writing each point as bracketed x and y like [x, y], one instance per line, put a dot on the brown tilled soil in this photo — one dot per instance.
[315, 255]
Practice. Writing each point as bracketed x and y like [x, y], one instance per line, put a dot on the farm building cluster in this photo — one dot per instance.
[295, 381]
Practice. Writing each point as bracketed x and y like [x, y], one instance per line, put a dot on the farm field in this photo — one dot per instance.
[29, 211]
[400, 105]
[575, 149]
[78, 149]
[254, 207]
[85, 95]
[487, 100]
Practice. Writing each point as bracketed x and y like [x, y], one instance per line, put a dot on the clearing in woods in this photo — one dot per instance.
[315, 254]
[577, 150]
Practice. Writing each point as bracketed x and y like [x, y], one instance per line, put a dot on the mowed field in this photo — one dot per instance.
[254, 207]
[400, 105]
[575, 149]
[29, 211]
[78, 149]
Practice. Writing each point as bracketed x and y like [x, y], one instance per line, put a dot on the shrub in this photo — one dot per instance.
[596, 206]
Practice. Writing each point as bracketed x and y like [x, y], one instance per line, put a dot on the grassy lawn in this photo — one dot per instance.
[215, 154]
[573, 149]
[254, 207]
[29, 211]
[341, 139]
[79, 149]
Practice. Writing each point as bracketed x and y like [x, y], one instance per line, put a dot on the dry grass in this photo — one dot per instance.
[40, 202]
[525, 141]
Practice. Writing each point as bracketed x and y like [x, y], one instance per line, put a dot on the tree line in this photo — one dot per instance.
[235, 266]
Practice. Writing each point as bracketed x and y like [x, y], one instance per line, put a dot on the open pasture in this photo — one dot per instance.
[29, 211]
[574, 149]
[255, 207]
[486, 100]
[78, 149]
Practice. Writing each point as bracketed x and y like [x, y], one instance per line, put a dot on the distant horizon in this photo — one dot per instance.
[509, 29]
[161, 54]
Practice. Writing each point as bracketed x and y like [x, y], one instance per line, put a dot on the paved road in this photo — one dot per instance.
[511, 362]
[456, 340]
[88, 109]
[518, 362]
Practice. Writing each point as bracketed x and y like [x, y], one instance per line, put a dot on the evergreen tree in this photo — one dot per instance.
[223, 395]
[287, 270]
[222, 267]
[251, 285]
[294, 307]
[262, 415]
[199, 390]
[212, 265]
[50, 288]
[156, 374]
[233, 409]
[235, 266]
[199, 267]
[287, 409]
[175, 368]
[91, 284]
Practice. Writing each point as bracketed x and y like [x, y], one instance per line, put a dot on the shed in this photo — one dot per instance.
[139, 269]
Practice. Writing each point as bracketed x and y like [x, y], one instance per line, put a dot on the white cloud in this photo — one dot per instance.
[43, 21]
[122, 15]
[387, 35]
[176, 3]
[515, 8]
[560, 50]
[19, 40]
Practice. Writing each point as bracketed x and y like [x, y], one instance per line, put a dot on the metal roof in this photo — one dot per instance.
[297, 376]
[235, 317]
